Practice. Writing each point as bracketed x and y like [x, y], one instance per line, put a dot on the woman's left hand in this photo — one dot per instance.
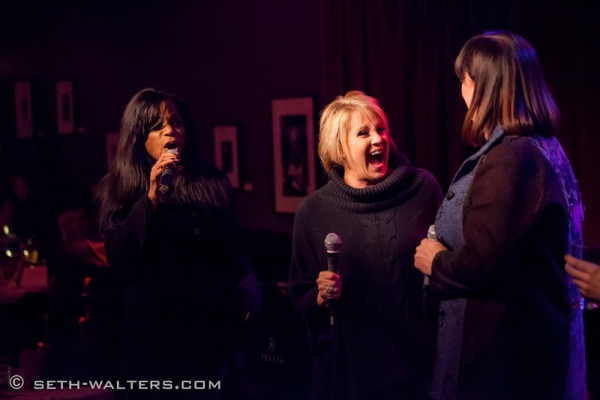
[425, 254]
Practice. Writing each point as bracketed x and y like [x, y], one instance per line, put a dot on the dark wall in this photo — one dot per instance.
[227, 59]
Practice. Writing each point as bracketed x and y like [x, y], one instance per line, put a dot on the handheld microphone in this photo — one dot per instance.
[167, 174]
[333, 243]
[431, 236]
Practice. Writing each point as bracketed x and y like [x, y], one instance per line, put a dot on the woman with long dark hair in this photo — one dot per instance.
[510, 324]
[189, 291]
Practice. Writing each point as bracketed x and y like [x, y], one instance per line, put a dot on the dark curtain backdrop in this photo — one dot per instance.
[403, 52]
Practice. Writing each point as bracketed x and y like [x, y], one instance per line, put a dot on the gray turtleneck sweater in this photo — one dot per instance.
[380, 336]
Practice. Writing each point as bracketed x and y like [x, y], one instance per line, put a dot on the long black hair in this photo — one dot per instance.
[200, 185]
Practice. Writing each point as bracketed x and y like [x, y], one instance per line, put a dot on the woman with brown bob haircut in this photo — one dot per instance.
[510, 324]
[511, 91]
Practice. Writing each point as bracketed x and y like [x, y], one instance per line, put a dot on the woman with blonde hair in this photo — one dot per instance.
[379, 206]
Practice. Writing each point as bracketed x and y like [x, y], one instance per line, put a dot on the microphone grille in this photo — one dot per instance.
[333, 242]
[431, 235]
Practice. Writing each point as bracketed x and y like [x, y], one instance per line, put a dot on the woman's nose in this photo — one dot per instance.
[376, 137]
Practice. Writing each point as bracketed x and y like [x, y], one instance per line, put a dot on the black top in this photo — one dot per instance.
[380, 321]
[188, 293]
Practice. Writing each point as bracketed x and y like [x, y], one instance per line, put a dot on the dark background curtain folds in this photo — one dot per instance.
[403, 52]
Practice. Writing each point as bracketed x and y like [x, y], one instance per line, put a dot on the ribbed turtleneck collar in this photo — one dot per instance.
[395, 188]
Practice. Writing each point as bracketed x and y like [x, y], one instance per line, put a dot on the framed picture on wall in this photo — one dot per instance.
[293, 152]
[65, 107]
[23, 110]
[226, 152]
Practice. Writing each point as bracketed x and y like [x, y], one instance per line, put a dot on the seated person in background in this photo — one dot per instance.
[30, 211]
[586, 275]
[80, 236]
[79, 254]
[6, 212]
[19, 208]
[86, 296]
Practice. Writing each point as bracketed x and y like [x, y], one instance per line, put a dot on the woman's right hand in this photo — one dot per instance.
[425, 253]
[328, 279]
[586, 276]
[156, 173]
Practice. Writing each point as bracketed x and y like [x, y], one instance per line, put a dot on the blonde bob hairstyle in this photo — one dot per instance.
[510, 90]
[336, 120]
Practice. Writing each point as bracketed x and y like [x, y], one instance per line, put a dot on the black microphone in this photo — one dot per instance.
[167, 174]
[333, 243]
[431, 236]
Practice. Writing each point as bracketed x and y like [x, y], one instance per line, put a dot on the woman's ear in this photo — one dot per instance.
[341, 153]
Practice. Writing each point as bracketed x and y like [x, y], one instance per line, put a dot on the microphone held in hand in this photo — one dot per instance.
[167, 175]
[431, 236]
[333, 243]
[431, 233]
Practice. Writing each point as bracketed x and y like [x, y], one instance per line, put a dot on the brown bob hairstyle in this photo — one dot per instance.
[510, 90]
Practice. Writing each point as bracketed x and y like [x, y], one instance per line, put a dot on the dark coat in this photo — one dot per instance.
[510, 324]
[188, 294]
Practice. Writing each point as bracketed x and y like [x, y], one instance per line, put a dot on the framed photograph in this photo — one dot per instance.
[23, 110]
[226, 152]
[112, 142]
[65, 107]
[293, 152]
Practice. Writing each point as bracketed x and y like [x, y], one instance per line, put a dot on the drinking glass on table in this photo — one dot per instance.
[587, 253]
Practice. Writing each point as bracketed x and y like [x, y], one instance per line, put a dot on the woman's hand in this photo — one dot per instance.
[425, 254]
[586, 276]
[326, 280]
[165, 158]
